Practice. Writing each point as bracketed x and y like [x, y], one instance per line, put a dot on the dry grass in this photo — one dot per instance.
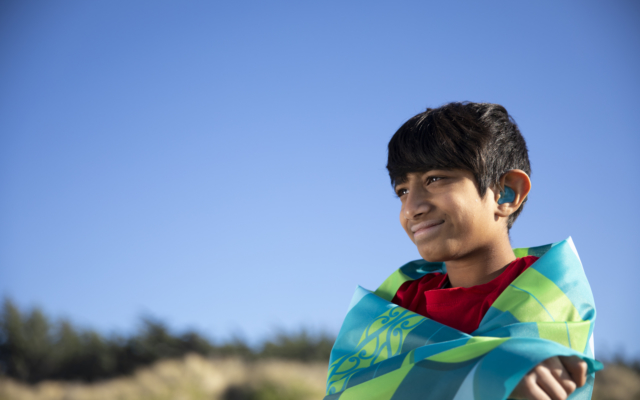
[198, 378]
[192, 378]
[617, 382]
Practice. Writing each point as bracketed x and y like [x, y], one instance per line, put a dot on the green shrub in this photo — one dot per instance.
[33, 348]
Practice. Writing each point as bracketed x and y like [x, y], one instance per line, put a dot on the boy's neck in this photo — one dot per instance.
[480, 267]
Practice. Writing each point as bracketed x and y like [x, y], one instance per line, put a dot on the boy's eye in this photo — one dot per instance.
[401, 192]
[432, 179]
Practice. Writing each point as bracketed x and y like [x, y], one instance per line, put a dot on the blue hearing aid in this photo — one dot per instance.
[507, 195]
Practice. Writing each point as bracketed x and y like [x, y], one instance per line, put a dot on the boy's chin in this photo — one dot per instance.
[438, 251]
[432, 256]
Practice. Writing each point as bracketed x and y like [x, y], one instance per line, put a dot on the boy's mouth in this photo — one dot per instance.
[425, 227]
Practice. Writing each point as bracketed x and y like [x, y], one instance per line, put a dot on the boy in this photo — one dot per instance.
[461, 172]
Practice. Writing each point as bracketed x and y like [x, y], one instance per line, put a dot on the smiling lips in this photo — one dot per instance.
[425, 227]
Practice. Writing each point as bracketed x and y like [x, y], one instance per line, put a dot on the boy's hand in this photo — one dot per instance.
[553, 379]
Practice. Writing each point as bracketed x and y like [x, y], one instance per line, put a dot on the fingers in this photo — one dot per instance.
[554, 379]
[529, 389]
[560, 375]
[577, 369]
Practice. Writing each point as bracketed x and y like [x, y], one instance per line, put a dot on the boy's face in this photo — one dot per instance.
[445, 217]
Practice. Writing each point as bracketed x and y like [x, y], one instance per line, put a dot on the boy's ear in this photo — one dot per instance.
[508, 201]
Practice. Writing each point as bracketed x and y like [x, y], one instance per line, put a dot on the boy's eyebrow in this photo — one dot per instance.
[400, 181]
[403, 179]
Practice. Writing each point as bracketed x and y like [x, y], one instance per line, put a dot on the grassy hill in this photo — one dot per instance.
[195, 377]
[41, 359]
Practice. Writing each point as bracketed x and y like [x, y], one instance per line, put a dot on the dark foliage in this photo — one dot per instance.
[32, 348]
[620, 359]
[265, 391]
[302, 346]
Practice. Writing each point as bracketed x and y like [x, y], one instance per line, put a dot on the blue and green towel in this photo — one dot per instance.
[385, 352]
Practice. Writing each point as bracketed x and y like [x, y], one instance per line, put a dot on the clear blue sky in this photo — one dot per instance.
[221, 165]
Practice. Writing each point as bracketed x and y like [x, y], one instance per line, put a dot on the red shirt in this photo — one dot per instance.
[460, 308]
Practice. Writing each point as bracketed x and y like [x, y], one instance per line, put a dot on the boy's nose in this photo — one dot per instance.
[415, 205]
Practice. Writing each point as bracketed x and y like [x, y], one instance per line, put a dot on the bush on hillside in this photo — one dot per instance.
[34, 348]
